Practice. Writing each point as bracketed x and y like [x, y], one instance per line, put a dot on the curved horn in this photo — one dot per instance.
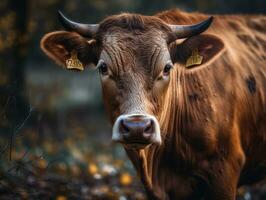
[184, 31]
[83, 29]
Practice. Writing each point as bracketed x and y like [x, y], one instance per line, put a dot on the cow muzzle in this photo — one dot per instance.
[136, 131]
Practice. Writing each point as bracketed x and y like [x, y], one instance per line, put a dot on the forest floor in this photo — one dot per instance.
[28, 181]
[76, 167]
[46, 185]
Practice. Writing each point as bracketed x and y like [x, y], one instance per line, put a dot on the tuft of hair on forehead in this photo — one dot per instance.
[133, 22]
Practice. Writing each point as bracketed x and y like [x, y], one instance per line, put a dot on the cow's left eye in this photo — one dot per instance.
[102, 67]
[167, 69]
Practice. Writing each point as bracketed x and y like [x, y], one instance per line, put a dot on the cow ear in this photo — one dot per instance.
[197, 51]
[60, 46]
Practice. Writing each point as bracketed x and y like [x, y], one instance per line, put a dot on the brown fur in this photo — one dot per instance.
[212, 117]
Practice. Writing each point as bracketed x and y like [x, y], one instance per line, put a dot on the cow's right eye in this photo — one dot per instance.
[167, 69]
[103, 68]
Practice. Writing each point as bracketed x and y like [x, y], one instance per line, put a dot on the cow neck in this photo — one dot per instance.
[150, 159]
[150, 162]
[173, 115]
[145, 170]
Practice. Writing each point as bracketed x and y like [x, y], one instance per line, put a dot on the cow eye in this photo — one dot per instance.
[167, 68]
[103, 68]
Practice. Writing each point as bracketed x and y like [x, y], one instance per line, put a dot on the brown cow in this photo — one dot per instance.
[193, 130]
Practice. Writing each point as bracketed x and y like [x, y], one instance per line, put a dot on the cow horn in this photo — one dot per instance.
[185, 31]
[83, 29]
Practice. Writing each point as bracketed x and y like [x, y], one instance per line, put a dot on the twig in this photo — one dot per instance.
[17, 130]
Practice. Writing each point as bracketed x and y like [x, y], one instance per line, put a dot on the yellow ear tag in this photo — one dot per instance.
[73, 62]
[194, 59]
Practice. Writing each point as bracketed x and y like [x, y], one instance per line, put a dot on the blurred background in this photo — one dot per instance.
[55, 140]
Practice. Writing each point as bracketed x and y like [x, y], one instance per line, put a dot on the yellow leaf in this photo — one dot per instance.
[61, 197]
[42, 164]
[92, 168]
[125, 179]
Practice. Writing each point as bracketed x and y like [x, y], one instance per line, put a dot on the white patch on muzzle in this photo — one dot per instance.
[117, 136]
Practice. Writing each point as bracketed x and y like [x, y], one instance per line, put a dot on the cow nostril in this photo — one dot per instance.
[148, 127]
[136, 126]
[136, 131]
[124, 127]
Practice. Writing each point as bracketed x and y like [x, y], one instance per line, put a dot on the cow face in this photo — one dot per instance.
[135, 71]
[135, 61]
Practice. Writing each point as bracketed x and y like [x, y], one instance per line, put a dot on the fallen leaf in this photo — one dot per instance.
[92, 169]
[125, 179]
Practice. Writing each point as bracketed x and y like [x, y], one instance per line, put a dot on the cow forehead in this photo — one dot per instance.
[138, 48]
[133, 40]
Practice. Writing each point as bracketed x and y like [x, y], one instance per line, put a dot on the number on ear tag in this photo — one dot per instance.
[194, 59]
[73, 62]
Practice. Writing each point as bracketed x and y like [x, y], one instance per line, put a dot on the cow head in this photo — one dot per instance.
[135, 56]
